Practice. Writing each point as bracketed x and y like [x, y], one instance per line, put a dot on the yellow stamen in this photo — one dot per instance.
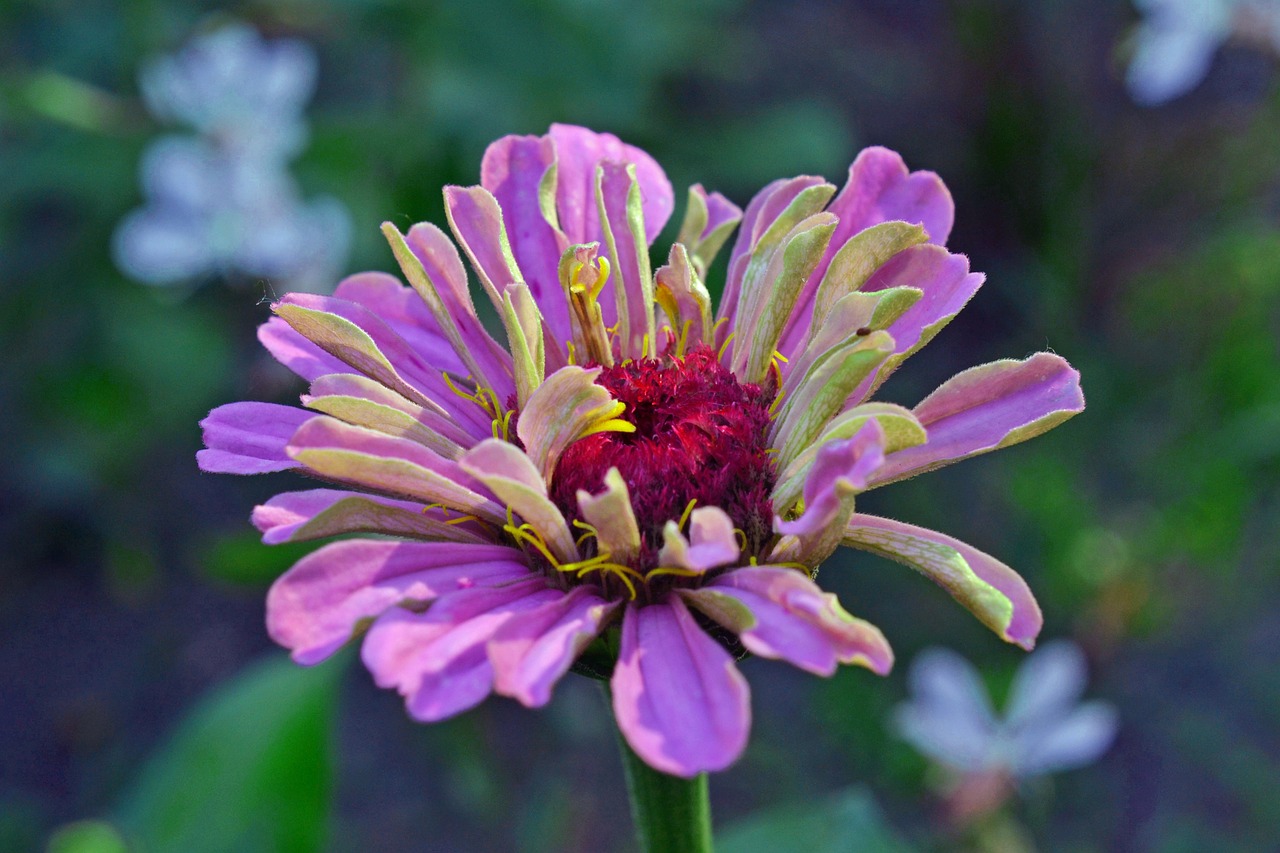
[773, 407]
[670, 570]
[688, 510]
[724, 346]
[683, 343]
[583, 291]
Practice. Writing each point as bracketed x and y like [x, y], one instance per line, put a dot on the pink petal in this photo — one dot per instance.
[405, 313]
[442, 264]
[533, 649]
[719, 210]
[414, 370]
[792, 619]
[513, 169]
[315, 513]
[398, 466]
[947, 285]
[880, 189]
[986, 408]
[316, 606]
[712, 541]
[762, 210]
[440, 258]
[249, 438]
[578, 151]
[989, 589]
[297, 353]
[631, 281]
[679, 699]
[476, 220]
[839, 471]
[340, 395]
[437, 660]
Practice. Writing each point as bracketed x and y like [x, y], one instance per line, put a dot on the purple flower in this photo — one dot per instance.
[1045, 728]
[238, 89]
[1175, 43]
[223, 202]
[630, 473]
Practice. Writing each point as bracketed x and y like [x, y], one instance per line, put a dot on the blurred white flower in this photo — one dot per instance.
[232, 86]
[1177, 39]
[1044, 729]
[223, 202]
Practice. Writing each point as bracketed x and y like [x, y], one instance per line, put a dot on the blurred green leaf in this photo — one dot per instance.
[87, 836]
[241, 558]
[847, 822]
[249, 771]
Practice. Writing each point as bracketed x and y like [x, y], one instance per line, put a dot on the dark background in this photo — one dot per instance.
[1143, 244]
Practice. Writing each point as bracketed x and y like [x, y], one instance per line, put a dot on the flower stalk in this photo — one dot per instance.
[671, 814]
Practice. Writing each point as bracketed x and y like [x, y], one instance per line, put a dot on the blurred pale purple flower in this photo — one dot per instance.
[625, 464]
[1175, 43]
[246, 94]
[223, 202]
[1044, 729]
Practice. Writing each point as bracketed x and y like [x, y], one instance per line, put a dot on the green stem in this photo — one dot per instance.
[672, 815]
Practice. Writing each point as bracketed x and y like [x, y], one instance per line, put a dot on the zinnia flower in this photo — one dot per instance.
[631, 483]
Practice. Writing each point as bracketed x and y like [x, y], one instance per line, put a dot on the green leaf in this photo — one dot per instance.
[249, 770]
[241, 558]
[87, 836]
[847, 822]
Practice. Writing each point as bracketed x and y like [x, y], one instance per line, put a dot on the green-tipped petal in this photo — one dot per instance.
[900, 427]
[786, 274]
[823, 392]
[982, 584]
[523, 321]
[346, 341]
[685, 299]
[622, 221]
[511, 475]
[568, 406]
[421, 282]
[610, 513]
[855, 261]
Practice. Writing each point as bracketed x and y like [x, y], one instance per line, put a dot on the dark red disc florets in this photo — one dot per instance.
[700, 435]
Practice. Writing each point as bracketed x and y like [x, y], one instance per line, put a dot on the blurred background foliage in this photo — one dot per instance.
[140, 692]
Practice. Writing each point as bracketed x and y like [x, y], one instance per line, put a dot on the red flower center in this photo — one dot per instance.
[700, 436]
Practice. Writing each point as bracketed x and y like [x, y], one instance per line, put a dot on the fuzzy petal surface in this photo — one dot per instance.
[534, 648]
[780, 613]
[989, 589]
[986, 408]
[316, 606]
[438, 659]
[679, 699]
[249, 438]
[316, 513]
[296, 352]
[578, 152]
